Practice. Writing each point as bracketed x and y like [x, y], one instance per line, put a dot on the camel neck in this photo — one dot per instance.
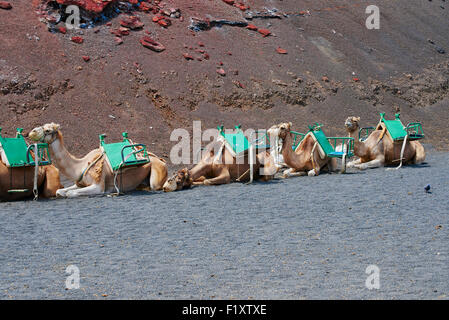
[291, 158]
[359, 147]
[70, 166]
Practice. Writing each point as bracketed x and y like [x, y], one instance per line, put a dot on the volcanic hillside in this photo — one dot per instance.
[148, 67]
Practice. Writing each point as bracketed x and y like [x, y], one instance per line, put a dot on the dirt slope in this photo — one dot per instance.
[334, 67]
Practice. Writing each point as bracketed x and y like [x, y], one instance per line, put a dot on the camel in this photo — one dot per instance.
[222, 167]
[23, 178]
[379, 150]
[306, 159]
[91, 174]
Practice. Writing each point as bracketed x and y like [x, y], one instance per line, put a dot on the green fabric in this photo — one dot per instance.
[113, 152]
[15, 150]
[395, 129]
[237, 141]
[322, 140]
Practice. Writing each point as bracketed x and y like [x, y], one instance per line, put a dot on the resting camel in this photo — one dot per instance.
[221, 167]
[91, 174]
[378, 150]
[23, 177]
[306, 157]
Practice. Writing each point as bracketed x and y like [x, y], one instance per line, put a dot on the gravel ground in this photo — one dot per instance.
[300, 238]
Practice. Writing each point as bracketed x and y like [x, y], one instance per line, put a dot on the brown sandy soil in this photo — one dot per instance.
[43, 77]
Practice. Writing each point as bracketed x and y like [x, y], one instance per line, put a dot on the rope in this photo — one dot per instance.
[218, 156]
[402, 151]
[115, 182]
[89, 166]
[36, 172]
[312, 158]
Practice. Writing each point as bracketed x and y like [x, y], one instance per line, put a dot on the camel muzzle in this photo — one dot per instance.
[170, 185]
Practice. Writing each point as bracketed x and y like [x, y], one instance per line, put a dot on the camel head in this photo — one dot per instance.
[46, 134]
[177, 182]
[280, 130]
[352, 124]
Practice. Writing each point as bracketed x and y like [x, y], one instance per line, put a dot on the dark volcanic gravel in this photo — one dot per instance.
[289, 239]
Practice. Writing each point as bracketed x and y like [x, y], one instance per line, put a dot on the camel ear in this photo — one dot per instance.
[357, 119]
[55, 126]
[289, 125]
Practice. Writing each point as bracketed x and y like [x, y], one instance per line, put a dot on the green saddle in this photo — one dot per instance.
[125, 153]
[398, 131]
[236, 141]
[327, 144]
[16, 153]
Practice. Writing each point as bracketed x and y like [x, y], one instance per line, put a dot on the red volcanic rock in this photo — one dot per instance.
[221, 72]
[122, 31]
[187, 56]
[96, 6]
[131, 22]
[241, 6]
[162, 21]
[5, 5]
[77, 39]
[86, 58]
[231, 2]
[264, 32]
[118, 40]
[145, 6]
[281, 51]
[251, 27]
[63, 30]
[149, 43]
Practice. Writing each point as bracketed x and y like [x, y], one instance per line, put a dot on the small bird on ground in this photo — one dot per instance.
[427, 188]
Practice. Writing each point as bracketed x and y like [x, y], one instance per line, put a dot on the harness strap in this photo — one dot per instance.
[312, 158]
[88, 167]
[218, 156]
[382, 135]
[402, 151]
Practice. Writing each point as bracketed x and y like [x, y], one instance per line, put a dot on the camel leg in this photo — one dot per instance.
[332, 165]
[314, 172]
[223, 178]
[376, 163]
[52, 182]
[292, 173]
[87, 191]
[352, 164]
[199, 181]
[158, 175]
[63, 191]
[420, 153]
